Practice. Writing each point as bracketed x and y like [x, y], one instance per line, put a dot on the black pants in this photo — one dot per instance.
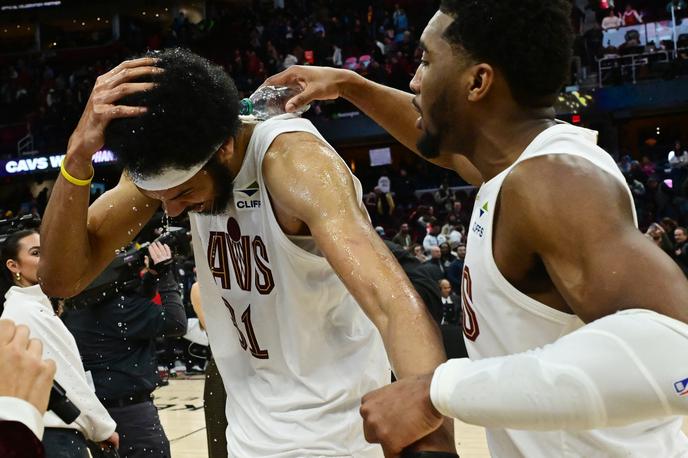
[214, 400]
[64, 443]
[140, 432]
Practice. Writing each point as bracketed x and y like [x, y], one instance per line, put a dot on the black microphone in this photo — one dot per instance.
[60, 404]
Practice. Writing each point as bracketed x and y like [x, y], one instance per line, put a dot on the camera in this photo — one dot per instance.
[12, 225]
[122, 274]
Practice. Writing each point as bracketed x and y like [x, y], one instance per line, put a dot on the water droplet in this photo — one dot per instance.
[135, 209]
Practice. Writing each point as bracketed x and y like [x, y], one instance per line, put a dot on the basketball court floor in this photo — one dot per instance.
[181, 411]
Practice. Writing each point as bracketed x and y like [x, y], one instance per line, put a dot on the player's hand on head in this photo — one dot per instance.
[318, 83]
[102, 106]
[160, 253]
[398, 415]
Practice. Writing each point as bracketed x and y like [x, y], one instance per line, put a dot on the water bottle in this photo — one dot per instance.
[269, 101]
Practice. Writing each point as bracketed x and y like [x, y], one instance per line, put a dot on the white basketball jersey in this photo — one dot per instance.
[295, 351]
[500, 320]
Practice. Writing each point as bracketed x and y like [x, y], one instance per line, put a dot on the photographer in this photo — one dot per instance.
[26, 304]
[116, 337]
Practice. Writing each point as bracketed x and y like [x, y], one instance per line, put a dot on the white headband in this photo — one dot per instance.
[169, 177]
[166, 179]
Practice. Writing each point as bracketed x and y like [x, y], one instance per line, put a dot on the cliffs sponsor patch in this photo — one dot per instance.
[248, 198]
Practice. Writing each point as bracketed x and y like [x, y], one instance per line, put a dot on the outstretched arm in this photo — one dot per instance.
[390, 108]
[308, 181]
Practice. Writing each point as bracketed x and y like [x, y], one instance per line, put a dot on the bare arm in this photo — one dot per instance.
[390, 108]
[79, 242]
[309, 181]
[90, 236]
[196, 303]
[577, 220]
[597, 259]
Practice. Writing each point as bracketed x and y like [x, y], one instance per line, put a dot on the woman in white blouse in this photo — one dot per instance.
[26, 304]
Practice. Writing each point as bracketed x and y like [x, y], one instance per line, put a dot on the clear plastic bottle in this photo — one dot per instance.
[269, 101]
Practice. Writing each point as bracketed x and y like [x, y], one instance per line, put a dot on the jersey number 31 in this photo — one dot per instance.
[251, 343]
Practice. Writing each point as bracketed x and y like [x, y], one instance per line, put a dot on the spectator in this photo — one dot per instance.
[403, 237]
[631, 16]
[455, 270]
[647, 166]
[451, 322]
[612, 20]
[381, 232]
[681, 248]
[452, 231]
[458, 211]
[451, 304]
[384, 206]
[433, 266]
[447, 257]
[432, 238]
[422, 282]
[678, 157]
[400, 19]
[669, 225]
[659, 237]
[404, 189]
[637, 188]
[426, 215]
[444, 199]
[418, 253]
[25, 303]
[678, 162]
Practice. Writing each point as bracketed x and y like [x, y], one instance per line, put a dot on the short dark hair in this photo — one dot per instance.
[529, 41]
[192, 111]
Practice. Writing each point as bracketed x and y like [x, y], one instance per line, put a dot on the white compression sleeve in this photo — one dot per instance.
[621, 369]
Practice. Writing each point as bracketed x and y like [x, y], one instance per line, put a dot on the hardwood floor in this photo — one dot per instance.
[181, 413]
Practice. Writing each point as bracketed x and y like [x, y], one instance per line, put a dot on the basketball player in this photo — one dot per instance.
[283, 248]
[575, 324]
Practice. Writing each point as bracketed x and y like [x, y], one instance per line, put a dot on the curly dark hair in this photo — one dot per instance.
[530, 41]
[193, 110]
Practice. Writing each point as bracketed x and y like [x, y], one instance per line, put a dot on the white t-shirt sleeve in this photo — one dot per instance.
[15, 409]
